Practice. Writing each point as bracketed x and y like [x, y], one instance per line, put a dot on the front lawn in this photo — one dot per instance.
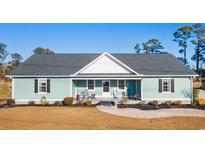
[86, 118]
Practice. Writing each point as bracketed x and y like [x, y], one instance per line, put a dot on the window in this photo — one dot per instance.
[91, 85]
[121, 84]
[166, 85]
[42, 86]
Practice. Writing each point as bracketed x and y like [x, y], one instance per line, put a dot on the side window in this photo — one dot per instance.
[166, 85]
[42, 86]
[91, 85]
[121, 84]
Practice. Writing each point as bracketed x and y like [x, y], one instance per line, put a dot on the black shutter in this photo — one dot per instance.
[172, 85]
[160, 85]
[36, 86]
[48, 85]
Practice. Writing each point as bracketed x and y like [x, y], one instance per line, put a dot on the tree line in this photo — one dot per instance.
[184, 36]
[10, 60]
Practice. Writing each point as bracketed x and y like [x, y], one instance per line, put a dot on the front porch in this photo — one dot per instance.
[97, 100]
[107, 89]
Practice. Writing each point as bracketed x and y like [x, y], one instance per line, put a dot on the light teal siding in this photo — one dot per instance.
[98, 87]
[113, 87]
[60, 88]
[182, 89]
[81, 85]
[24, 89]
[73, 88]
[138, 87]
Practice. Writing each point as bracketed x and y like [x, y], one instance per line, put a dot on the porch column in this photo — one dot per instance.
[12, 88]
[191, 87]
[141, 89]
[70, 88]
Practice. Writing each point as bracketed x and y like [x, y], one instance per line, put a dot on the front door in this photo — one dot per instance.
[106, 88]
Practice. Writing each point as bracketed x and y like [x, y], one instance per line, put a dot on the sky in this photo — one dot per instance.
[88, 38]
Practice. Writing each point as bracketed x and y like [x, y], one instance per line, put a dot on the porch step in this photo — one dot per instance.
[106, 103]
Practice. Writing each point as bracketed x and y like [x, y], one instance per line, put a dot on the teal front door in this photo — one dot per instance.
[131, 85]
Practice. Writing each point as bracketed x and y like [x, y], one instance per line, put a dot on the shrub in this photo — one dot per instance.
[43, 101]
[195, 94]
[125, 100]
[177, 103]
[68, 101]
[10, 102]
[31, 102]
[58, 103]
[201, 101]
[155, 102]
[169, 103]
[88, 102]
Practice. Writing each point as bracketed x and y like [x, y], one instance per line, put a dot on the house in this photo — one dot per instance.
[151, 76]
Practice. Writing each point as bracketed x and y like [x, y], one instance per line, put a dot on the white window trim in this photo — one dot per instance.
[169, 85]
[118, 86]
[87, 86]
[42, 79]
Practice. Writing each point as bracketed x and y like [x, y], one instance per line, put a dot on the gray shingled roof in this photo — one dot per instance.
[66, 64]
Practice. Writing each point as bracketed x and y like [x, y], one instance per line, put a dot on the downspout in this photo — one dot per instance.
[191, 85]
[141, 89]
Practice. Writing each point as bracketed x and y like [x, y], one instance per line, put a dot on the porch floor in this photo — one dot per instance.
[116, 100]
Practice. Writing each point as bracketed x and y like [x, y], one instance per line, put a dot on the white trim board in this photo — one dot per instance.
[72, 76]
[12, 87]
[37, 76]
[99, 57]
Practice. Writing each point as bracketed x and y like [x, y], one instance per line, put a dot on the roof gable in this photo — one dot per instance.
[106, 64]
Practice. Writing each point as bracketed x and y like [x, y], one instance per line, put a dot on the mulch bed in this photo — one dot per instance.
[160, 106]
[49, 105]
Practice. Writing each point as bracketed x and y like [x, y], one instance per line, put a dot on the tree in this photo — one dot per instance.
[137, 48]
[152, 46]
[6, 65]
[3, 56]
[16, 59]
[181, 36]
[40, 50]
[199, 43]
[181, 59]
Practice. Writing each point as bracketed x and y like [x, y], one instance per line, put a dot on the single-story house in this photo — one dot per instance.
[151, 76]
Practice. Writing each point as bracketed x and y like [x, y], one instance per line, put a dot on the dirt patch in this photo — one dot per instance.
[58, 118]
[2, 101]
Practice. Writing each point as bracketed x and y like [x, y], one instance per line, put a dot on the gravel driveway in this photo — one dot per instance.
[137, 113]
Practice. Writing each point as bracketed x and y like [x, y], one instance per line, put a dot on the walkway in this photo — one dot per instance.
[137, 113]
